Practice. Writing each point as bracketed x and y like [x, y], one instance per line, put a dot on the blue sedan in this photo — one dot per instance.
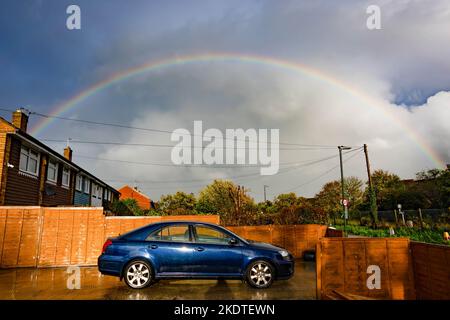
[191, 250]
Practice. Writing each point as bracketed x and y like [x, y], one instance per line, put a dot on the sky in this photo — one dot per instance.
[390, 87]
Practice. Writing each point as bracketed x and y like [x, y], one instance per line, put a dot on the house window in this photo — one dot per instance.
[94, 190]
[29, 161]
[65, 177]
[52, 171]
[87, 185]
[79, 183]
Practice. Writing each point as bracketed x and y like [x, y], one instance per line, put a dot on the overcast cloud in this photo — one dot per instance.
[404, 67]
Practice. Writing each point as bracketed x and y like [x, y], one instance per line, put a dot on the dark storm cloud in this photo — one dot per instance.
[405, 62]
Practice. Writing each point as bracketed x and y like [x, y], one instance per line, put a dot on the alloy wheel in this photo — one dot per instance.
[260, 275]
[138, 275]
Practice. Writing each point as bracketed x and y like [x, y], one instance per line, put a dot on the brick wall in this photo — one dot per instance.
[22, 189]
[5, 143]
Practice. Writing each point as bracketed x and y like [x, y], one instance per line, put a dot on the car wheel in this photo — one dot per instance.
[260, 274]
[138, 274]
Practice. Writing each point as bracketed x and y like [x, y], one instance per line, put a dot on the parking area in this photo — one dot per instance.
[51, 283]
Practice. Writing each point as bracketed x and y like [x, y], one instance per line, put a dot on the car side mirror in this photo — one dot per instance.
[232, 242]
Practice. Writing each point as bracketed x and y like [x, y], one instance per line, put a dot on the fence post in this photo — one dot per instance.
[39, 237]
[420, 218]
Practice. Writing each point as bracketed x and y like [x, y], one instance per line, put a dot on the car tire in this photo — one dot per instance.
[138, 274]
[260, 274]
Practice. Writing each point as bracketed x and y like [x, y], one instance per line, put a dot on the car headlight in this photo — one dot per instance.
[284, 254]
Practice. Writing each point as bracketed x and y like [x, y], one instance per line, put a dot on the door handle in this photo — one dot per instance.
[153, 246]
[200, 249]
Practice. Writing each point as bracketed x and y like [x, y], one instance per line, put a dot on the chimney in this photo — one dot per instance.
[68, 153]
[20, 119]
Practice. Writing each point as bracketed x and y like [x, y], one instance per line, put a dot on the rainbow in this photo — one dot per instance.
[66, 106]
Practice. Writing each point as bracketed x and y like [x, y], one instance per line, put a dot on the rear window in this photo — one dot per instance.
[176, 233]
[138, 234]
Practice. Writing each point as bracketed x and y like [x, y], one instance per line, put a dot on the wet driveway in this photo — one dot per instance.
[51, 283]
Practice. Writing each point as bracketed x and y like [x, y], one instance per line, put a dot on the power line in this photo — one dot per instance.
[212, 166]
[123, 126]
[160, 145]
[258, 175]
[322, 174]
[237, 178]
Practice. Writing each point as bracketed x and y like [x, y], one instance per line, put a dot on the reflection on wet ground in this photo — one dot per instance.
[51, 283]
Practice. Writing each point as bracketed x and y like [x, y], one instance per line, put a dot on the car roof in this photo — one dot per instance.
[184, 221]
[156, 225]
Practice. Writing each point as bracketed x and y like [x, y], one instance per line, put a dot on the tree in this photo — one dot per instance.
[285, 200]
[126, 207]
[329, 198]
[180, 203]
[230, 201]
[309, 212]
[387, 187]
[434, 185]
[353, 191]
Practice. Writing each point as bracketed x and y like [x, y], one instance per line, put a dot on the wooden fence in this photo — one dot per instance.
[431, 270]
[342, 265]
[61, 236]
[296, 238]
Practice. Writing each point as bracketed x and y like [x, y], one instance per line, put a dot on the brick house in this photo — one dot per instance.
[127, 192]
[32, 173]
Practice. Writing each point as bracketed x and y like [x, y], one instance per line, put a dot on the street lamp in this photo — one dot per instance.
[342, 186]
[265, 196]
[399, 206]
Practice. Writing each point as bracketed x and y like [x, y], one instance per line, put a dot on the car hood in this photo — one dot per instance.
[263, 245]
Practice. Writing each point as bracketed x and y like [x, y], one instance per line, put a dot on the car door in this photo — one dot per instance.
[213, 254]
[171, 249]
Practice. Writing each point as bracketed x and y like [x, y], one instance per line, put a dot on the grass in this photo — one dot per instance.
[426, 235]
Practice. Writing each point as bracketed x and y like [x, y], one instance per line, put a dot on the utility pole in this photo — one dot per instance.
[342, 187]
[265, 195]
[372, 199]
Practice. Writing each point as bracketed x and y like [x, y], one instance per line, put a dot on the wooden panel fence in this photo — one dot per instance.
[297, 238]
[431, 270]
[44, 237]
[342, 265]
[61, 236]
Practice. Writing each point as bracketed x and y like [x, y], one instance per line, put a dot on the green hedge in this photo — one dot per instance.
[425, 235]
